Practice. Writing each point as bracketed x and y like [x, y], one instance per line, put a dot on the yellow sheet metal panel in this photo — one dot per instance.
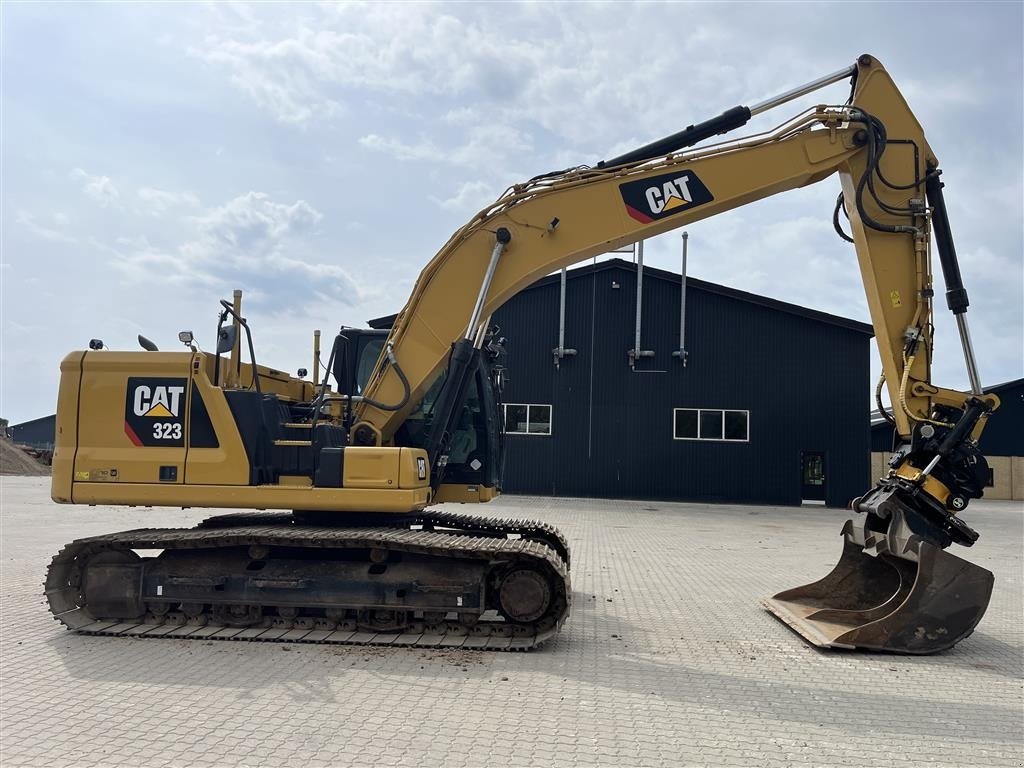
[132, 411]
[935, 488]
[465, 494]
[300, 481]
[66, 437]
[371, 467]
[413, 468]
[398, 501]
[226, 464]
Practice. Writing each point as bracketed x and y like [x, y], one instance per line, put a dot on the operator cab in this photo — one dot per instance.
[474, 448]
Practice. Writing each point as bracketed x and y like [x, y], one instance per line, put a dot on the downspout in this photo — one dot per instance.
[681, 353]
[560, 351]
[636, 352]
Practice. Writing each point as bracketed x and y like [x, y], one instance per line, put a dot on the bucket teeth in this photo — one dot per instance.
[924, 601]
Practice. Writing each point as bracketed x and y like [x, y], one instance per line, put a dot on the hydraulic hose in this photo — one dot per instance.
[407, 390]
[878, 400]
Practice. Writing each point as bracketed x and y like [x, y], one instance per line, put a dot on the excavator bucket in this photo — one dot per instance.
[877, 600]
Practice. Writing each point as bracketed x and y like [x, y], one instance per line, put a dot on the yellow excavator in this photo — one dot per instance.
[357, 554]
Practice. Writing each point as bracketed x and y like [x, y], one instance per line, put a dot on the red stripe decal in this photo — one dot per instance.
[641, 217]
[131, 434]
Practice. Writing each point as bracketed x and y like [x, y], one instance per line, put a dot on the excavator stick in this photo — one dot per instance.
[922, 600]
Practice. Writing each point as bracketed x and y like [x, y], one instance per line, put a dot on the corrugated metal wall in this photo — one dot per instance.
[1004, 434]
[38, 433]
[804, 382]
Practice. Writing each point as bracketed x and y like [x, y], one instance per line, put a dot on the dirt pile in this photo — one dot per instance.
[14, 461]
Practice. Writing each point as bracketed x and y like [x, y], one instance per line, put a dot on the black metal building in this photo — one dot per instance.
[39, 433]
[769, 407]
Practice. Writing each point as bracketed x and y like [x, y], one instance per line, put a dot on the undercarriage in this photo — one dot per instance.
[430, 580]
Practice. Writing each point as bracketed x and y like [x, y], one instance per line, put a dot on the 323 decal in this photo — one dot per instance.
[154, 411]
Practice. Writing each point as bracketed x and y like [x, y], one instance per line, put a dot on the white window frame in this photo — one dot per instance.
[723, 438]
[528, 433]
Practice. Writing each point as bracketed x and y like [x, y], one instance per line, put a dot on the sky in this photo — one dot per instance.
[157, 156]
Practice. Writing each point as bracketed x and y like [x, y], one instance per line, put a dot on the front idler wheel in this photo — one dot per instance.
[524, 596]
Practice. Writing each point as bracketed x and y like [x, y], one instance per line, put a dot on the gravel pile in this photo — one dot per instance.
[14, 461]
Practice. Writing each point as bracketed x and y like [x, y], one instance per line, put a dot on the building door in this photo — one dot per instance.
[812, 473]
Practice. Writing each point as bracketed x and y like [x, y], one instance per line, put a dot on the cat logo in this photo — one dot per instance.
[655, 198]
[159, 402]
[154, 411]
[671, 194]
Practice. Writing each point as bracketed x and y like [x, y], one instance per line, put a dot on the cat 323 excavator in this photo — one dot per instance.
[356, 554]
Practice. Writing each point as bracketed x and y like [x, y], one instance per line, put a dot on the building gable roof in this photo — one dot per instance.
[715, 288]
[33, 422]
[691, 282]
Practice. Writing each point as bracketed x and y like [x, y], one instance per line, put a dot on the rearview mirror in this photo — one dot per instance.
[226, 339]
[340, 368]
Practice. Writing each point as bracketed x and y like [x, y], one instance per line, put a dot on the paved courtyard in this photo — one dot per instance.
[667, 659]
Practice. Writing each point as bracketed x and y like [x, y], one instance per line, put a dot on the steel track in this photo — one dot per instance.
[64, 582]
[441, 522]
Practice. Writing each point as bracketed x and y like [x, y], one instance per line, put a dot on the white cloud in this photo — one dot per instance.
[54, 234]
[400, 150]
[573, 74]
[298, 68]
[253, 225]
[471, 197]
[261, 70]
[99, 188]
[160, 200]
[483, 147]
[251, 242]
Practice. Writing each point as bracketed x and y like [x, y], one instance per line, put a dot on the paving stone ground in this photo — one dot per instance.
[667, 660]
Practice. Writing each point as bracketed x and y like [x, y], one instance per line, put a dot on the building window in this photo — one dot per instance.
[527, 419]
[711, 424]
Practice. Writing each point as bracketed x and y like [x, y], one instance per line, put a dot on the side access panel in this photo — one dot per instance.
[131, 417]
[216, 454]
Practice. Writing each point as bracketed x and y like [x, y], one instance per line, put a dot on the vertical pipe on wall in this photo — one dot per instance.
[639, 292]
[561, 315]
[560, 351]
[681, 352]
[636, 352]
